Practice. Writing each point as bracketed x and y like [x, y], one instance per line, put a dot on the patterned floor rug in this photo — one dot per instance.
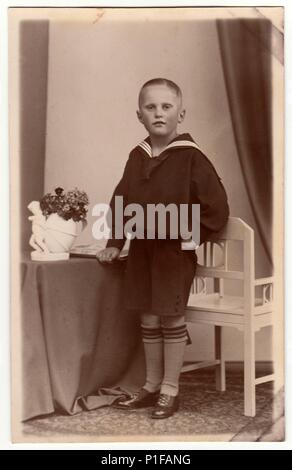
[204, 415]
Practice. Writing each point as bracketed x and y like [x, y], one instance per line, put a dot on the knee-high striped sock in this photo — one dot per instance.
[153, 348]
[175, 339]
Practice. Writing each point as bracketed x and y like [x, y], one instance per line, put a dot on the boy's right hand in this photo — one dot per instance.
[107, 255]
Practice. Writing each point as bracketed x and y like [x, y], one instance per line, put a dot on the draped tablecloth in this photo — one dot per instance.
[79, 345]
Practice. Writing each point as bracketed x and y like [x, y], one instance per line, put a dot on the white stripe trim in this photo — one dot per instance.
[179, 143]
[183, 143]
[145, 146]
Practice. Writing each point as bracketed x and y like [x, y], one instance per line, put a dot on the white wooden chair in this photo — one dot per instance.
[248, 312]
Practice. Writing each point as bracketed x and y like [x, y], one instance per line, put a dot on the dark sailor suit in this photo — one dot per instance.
[159, 273]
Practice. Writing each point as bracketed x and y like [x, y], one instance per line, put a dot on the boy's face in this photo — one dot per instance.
[160, 110]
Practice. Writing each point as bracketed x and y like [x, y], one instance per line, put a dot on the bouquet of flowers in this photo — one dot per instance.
[68, 205]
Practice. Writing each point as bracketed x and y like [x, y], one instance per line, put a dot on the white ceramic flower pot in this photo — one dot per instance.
[60, 233]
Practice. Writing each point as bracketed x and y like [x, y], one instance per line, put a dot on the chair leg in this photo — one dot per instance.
[220, 368]
[249, 373]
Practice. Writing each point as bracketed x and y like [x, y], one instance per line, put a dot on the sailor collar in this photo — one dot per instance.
[181, 141]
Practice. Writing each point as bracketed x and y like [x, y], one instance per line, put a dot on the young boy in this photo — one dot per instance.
[167, 168]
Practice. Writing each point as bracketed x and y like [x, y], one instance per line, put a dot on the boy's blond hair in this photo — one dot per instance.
[161, 81]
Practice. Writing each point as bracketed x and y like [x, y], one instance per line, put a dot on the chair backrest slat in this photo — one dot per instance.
[215, 265]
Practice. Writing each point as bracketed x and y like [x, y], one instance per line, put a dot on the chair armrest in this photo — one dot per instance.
[264, 280]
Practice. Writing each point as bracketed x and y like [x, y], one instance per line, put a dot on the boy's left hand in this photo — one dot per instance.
[107, 255]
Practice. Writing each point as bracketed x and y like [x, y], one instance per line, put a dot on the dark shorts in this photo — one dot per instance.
[158, 277]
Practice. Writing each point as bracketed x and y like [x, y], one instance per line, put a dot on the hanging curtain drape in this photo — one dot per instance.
[33, 65]
[245, 47]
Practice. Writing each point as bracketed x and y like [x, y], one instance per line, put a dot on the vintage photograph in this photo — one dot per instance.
[146, 184]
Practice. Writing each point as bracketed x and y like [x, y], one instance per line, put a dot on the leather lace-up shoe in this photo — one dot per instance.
[140, 399]
[165, 407]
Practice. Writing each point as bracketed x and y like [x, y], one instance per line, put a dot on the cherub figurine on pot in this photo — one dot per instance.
[37, 239]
